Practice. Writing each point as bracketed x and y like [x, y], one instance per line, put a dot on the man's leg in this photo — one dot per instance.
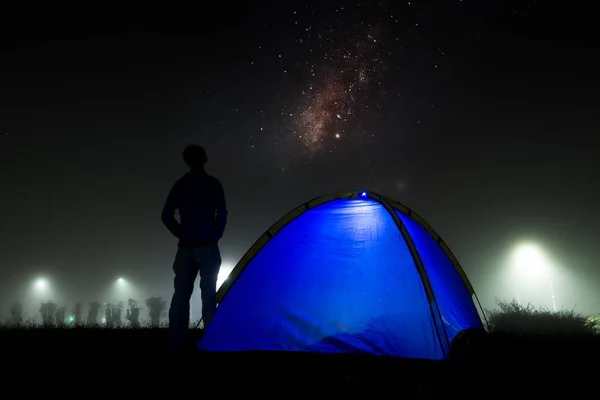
[186, 270]
[208, 259]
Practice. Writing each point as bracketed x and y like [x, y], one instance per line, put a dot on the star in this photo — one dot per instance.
[338, 94]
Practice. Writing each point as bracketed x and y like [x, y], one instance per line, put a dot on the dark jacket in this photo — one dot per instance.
[200, 200]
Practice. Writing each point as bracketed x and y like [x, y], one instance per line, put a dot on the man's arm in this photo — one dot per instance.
[221, 209]
[168, 212]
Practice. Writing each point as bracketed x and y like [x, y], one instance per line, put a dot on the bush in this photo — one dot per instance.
[514, 318]
[156, 309]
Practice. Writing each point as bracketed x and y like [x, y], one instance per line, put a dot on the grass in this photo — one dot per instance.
[34, 323]
[528, 352]
[514, 318]
[527, 335]
[509, 317]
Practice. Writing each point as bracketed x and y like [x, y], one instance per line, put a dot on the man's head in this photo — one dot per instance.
[195, 156]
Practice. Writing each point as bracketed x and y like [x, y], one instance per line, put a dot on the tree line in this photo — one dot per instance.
[99, 314]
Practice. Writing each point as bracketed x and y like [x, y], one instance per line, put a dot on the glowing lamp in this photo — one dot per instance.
[41, 285]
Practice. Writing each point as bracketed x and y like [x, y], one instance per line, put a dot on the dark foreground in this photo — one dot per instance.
[101, 362]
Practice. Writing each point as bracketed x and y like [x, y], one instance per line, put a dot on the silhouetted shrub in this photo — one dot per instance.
[77, 314]
[133, 313]
[93, 312]
[47, 311]
[113, 315]
[56, 317]
[59, 316]
[16, 314]
[594, 323]
[514, 318]
[156, 308]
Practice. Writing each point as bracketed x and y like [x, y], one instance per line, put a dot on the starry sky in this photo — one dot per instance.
[481, 116]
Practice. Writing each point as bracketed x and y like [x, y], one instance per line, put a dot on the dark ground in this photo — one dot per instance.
[119, 362]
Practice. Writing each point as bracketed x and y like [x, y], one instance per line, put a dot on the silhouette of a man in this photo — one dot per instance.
[200, 200]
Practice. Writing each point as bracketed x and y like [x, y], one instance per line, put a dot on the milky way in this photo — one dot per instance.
[335, 100]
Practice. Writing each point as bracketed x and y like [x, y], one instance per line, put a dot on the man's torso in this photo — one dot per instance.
[196, 198]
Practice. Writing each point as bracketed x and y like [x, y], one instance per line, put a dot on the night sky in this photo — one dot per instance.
[482, 116]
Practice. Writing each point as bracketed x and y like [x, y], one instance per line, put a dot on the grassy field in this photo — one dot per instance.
[527, 352]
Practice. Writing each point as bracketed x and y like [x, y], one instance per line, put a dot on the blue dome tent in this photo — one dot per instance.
[353, 272]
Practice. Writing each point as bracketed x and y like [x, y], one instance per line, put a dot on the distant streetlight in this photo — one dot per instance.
[41, 284]
[533, 265]
[121, 287]
[40, 290]
[224, 274]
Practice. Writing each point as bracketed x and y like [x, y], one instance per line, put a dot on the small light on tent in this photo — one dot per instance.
[363, 194]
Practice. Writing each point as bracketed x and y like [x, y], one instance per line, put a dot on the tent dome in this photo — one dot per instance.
[354, 272]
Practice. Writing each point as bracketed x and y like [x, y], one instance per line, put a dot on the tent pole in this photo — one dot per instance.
[420, 269]
[482, 311]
